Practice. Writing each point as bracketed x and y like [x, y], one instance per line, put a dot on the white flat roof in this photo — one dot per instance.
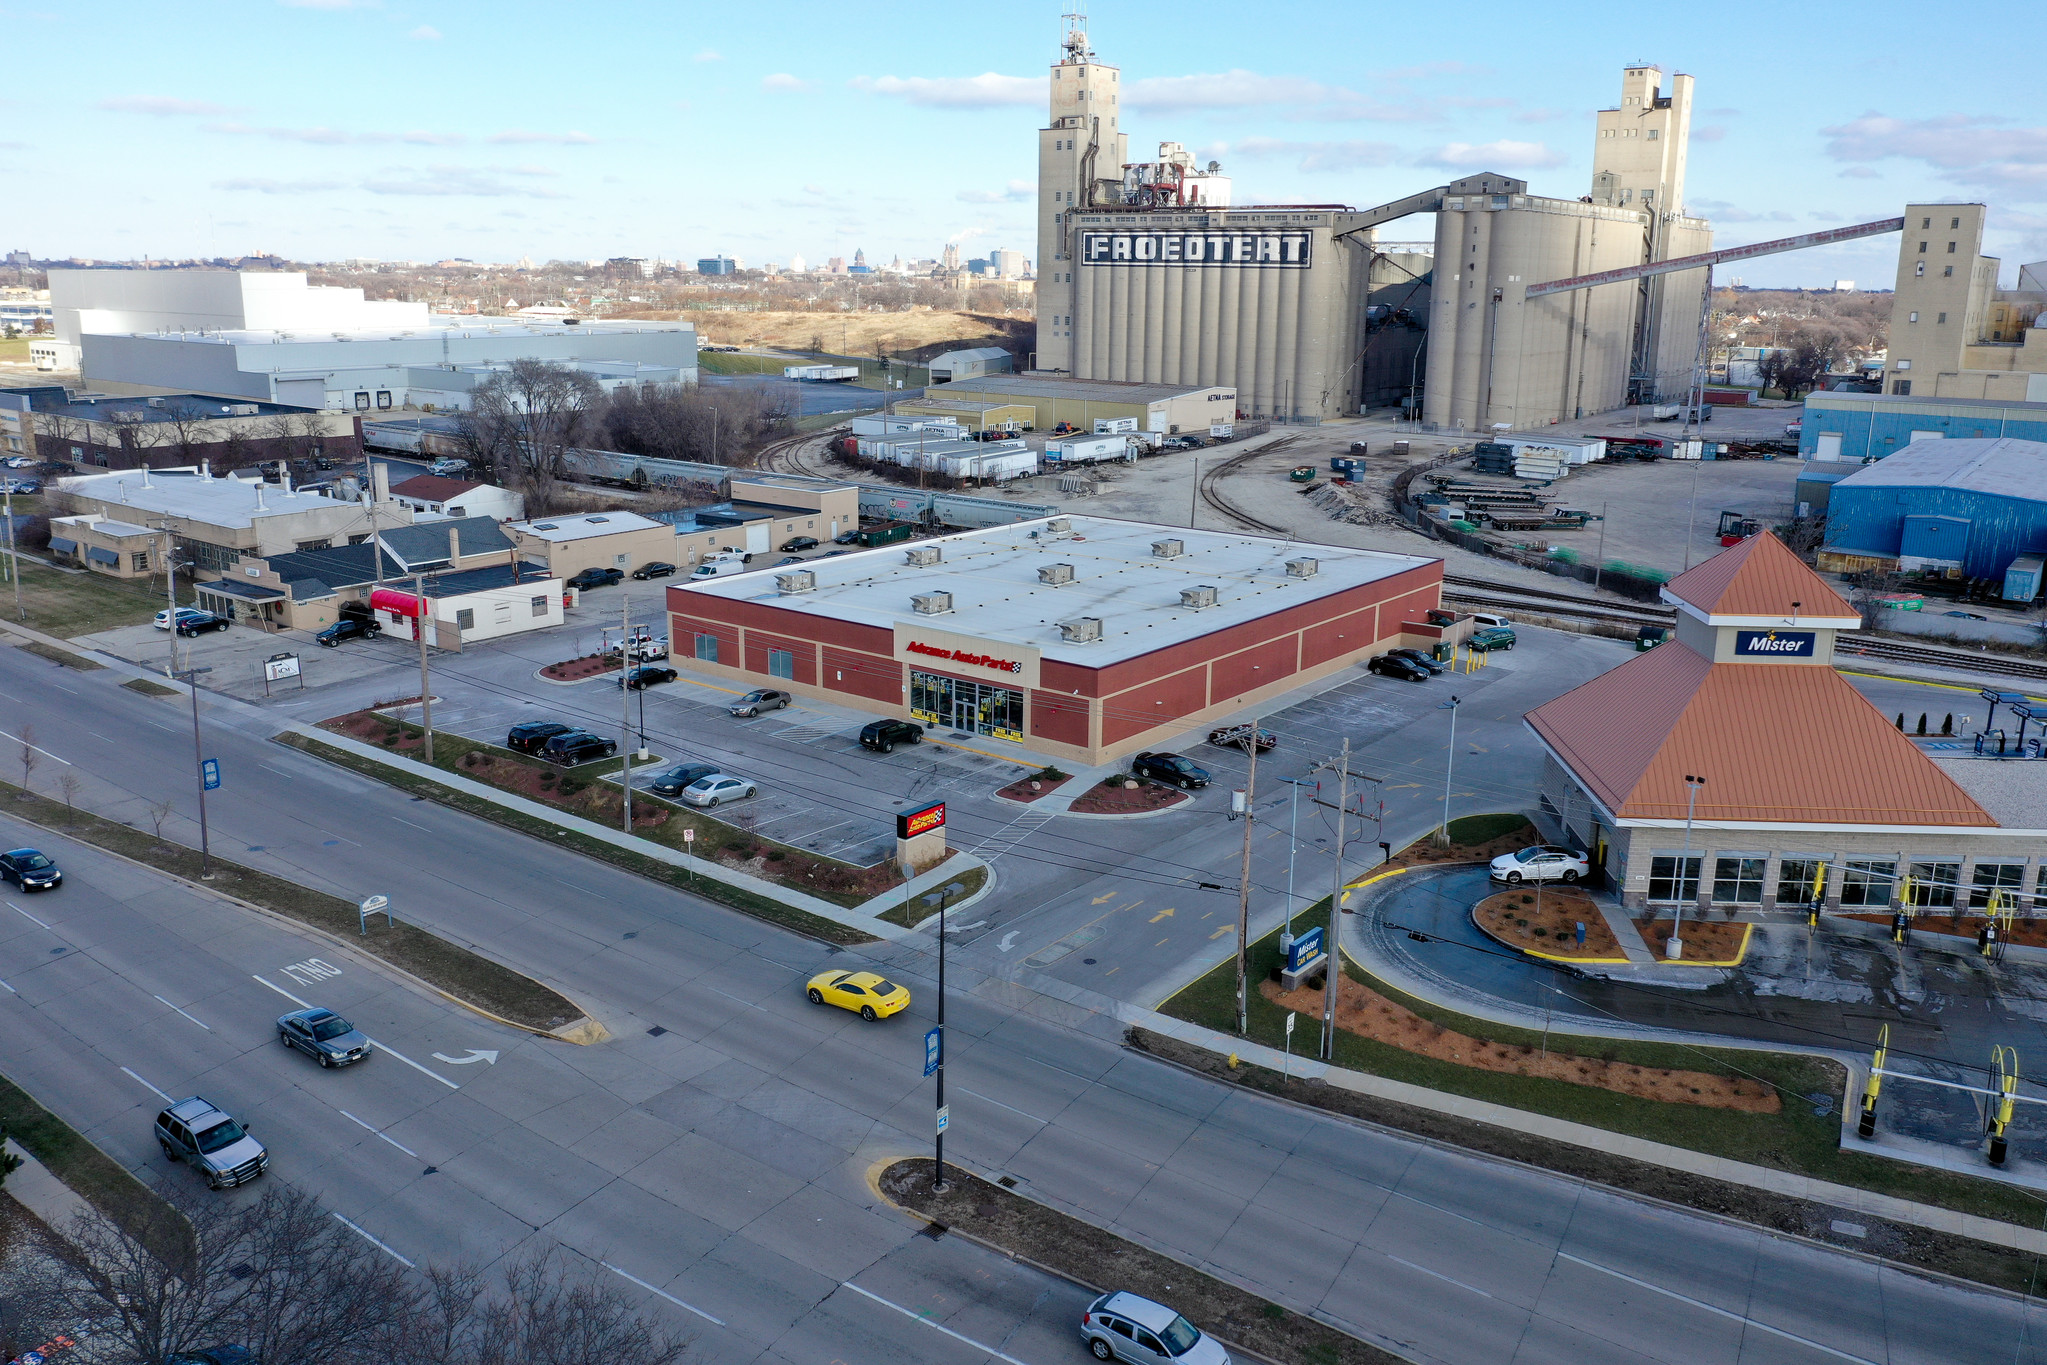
[585, 525]
[997, 594]
[219, 501]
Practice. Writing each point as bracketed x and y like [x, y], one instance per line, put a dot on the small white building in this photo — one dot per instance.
[433, 495]
[971, 364]
[473, 605]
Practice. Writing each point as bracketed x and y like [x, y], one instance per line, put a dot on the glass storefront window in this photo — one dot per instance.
[973, 707]
[1795, 875]
[1933, 884]
[1867, 881]
[1664, 882]
[2009, 878]
[781, 664]
[1738, 880]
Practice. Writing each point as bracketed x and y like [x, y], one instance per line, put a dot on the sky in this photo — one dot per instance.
[424, 129]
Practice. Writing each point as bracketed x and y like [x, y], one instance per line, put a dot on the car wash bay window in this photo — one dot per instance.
[1738, 880]
[1664, 883]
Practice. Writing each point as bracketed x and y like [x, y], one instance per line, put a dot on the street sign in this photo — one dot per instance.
[934, 1051]
[1305, 949]
[373, 905]
[911, 823]
[689, 836]
[209, 773]
[944, 1118]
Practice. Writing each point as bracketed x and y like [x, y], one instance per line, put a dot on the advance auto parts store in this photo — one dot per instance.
[1076, 637]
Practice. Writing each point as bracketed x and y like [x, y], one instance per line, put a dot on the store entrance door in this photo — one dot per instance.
[974, 708]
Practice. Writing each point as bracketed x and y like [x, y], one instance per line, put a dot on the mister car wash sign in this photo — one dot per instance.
[1286, 250]
[1774, 644]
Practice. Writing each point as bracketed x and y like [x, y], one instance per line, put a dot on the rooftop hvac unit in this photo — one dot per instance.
[1058, 526]
[1056, 574]
[156, 402]
[924, 556]
[1303, 567]
[241, 409]
[931, 603]
[800, 580]
[1168, 549]
[1198, 598]
[1086, 631]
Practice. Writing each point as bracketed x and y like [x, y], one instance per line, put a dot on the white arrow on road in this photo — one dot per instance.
[1008, 941]
[963, 928]
[475, 1055]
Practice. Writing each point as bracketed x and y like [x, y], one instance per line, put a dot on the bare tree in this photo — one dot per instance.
[30, 756]
[160, 811]
[529, 414]
[68, 783]
[682, 422]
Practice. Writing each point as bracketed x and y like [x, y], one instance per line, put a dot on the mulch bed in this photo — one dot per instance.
[1546, 922]
[371, 728]
[595, 800]
[1028, 789]
[1422, 853]
[1365, 1012]
[1111, 797]
[589, 666]
[1715, 941]
[2027, 933]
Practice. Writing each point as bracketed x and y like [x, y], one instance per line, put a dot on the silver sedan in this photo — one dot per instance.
[324, 1035]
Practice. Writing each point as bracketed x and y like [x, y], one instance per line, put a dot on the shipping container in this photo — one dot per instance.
[833, 374]
[2022, 579]
[1070, 450]
[890, 424]
[1731, 398]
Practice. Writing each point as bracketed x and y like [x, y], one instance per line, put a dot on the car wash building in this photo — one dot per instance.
[1733, 767]
[1080, 638]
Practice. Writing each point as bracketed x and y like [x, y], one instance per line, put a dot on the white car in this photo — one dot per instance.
[192, 614]
[1488, 620]
[1127, 1327]
[718, 787]
[1540, 863]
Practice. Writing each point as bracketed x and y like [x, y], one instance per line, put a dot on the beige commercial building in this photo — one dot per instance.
[567, 545]
[1954, 334]
[1052, 399]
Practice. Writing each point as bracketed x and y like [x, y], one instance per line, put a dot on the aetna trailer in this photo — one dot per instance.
[827, 374]
[1078, 450]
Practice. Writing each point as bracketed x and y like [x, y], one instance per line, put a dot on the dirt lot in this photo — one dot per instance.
[857, 333]
[1547, 923]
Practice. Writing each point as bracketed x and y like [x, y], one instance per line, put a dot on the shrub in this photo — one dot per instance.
[1541, 932]
[1527, 900]
[1050, 773]
[775, 855]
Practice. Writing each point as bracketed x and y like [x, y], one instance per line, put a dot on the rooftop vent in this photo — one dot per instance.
[1168, 549]
[1198, 598]
[1086, 631]
[1056, 574]
[799, 580]
[924, 556]
[1303, 567]
[931, 603]
[1058, 526]
[546, 526]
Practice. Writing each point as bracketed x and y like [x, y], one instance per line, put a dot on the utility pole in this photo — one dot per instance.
[625, 700]
[1333, 949]
[14, 557]
[1244, 889]
[1676, 947]
[426, 698]
[938, 1146]
[170, 588]
[190, 677]
[1449, 766]
[369, 487]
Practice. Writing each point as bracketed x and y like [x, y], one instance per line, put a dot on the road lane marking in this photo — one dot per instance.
[1226, 929]
[476, 1054]
[382, 1134]
[26, 915]
[1000, 1105]
[39, 749]
[285, 993]
[207, 1027]
[729, 996]
[147, 1086]
[10, 990]
[403, 821]
[374, 1242]
[373, 1042]
[662, 1292]
[935, 1326]
[1720, 1312]
[1444, 1278]
[1008, 942]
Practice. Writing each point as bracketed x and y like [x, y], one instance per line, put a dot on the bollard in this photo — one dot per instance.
[1998, 1149]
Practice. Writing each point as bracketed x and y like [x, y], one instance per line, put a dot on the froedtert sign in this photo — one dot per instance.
[1286, 250]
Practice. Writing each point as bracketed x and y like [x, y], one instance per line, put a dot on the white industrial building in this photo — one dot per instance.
[261, 334]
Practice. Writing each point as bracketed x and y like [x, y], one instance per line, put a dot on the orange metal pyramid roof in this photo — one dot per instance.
[1776, 743]
[1758, 577]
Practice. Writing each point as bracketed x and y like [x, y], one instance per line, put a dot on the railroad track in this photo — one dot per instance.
[789, 456]
[1213, 496]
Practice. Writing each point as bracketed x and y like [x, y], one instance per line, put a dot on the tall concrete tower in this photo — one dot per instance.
[1080, 163]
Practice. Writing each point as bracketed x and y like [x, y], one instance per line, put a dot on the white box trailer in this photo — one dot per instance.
[829, 374]
[990, 467]
[889, 424]
[1075, 450]
[1114, 426]
[1569, 449]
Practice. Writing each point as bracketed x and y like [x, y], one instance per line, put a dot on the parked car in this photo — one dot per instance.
[846, 538]
[834, 554]
[795, 543]
[322, 1035]
[201, 1134]
[657, 569]
[640, 648]
[532, 736]
[647, 675]
[1483, 619]
[1539, 863]
[349, 628]
[788, 559]
[1422, 657]
[1966, 615]
[1122, 1326]
[717, 568]
[1233, 737]
[201, 623]
[21, 485]
[717, 789]
[162, 620]
[596, 578]
[30, 869]
[20, 462]
[671, 781]
[447, 467]
[870, 996]
[1491, 638]
[882, 736]
[759, 700]
[1170, 769]
[577, 746]
[1394, 666]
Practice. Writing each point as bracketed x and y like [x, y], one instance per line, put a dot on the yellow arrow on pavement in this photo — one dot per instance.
[1162, 914]
[1105, 896]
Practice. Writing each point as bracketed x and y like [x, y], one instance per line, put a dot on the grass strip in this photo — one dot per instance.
[148, 688]
[915, 910]
[1098, 1259]
[467, 976]
[77, 602]
[94, 1176]
[59, 656]
[683, 879]
[1796, 1139]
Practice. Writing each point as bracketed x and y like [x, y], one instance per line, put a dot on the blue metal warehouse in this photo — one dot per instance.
[1966, 508]
[1870, 426]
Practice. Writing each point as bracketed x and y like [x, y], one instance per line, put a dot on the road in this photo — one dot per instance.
[723, 1159]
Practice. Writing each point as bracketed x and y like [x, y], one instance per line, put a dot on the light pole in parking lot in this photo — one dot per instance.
[1676, 947]
[1449, 766]
[426, 691]
[625, 699]
[941, 1117]
[190, 677]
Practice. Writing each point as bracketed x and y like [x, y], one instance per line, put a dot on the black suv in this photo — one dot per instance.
[1170, 769]
[882, 736]
[596, 578]
[349, 628]
[532, 737]
[577, 746]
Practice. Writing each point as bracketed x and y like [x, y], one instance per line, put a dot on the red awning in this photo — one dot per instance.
[398, 603]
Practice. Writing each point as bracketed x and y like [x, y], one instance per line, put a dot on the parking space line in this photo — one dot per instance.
[935, 1326]
[373, 1042]
[375, 1243]
[207, 1027]
[9, 989]
[147, 1086]
[662, 1292]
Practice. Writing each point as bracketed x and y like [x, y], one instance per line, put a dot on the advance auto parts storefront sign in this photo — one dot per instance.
[965, 656]
[1285, 250]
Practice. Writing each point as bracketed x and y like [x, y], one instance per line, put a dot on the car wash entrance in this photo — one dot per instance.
[976, 707]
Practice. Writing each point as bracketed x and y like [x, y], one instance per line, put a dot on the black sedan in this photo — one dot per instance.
[1422, 657]
[349, 628]
[795, 543]
[1170, 769]
[671, 781]
[322, 1035]
[30, 869]
[657, 569]
[647, 675]
[1394, 666]
[200, 623]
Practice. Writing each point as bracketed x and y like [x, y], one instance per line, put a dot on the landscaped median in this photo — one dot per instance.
[462, 975]
[93, 1175]
[1100, 1260]
[1769, 1109]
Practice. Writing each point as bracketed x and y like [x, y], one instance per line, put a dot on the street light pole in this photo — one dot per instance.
[190, 677]
[1333, 948]
[1244, 890]
[14, 557]
[1675, 947]
[1449, 766]
[625, 699]
[938, 1148]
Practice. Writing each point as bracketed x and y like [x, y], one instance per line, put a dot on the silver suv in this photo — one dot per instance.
[1126, 1327]
[199, 1132]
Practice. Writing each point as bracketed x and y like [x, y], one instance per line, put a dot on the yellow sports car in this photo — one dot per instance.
[874, 997]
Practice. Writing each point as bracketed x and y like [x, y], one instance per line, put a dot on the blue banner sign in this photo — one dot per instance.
[1306, 948]
[934, 1050]
[209, 773]
[1774, 644]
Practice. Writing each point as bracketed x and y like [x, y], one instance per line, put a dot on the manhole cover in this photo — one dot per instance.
[986, 1210]
[1052, 952]
[656, 1031]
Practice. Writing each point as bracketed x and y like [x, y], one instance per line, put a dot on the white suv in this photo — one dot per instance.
[1126, 1327]
[1540, 863]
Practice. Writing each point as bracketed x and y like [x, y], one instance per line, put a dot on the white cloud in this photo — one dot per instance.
[1315, 156]
[339, 137]
[452, 181]
[329, 4]
[708, 55]
[258, 185]
[1488, 156]
[522, 137]
[988, 90]
[1016, 192]
[1974, 150]
[160, 105]
[782, 80]
[425, 33]
[1712, 132]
